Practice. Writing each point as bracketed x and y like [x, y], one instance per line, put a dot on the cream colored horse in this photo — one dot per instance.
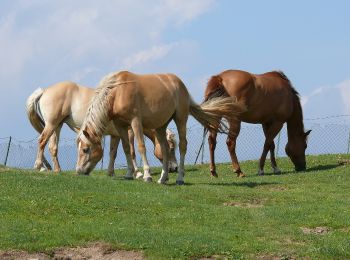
[67, 102]
[145, 102]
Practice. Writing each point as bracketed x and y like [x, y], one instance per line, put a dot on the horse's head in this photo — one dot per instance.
[89, 152]
[170, 136]
[295, 149]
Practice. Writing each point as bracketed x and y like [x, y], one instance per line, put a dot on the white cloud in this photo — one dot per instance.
[43, 42]
[145, 56]
[344, 88]
[327, 101]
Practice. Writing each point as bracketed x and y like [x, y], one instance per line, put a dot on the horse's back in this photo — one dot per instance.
[267, 96]
[64, 99]
[155, 97]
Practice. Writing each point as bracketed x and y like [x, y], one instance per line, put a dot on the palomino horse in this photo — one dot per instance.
[270, 99]
[145, 102]
[67, 102]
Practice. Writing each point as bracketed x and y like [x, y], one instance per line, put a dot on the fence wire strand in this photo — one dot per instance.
[324, 139]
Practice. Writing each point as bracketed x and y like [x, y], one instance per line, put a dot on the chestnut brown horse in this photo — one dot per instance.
[148, 101]
[270, 100]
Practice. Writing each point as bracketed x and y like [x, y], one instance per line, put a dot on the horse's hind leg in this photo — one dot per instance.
[53, 147]
[270, 131]
[113, 148]
[43, 139]
[212, 145]
[161, 136]
[181, 128]
[138, 131]
[235, 127]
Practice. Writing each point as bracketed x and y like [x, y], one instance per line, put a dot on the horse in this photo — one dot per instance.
[148, 101]
[270, 100]
[67, 102]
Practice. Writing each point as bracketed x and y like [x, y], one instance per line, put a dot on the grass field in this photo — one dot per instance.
[288, 216]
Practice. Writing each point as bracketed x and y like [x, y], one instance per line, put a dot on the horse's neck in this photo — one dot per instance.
[295, 125]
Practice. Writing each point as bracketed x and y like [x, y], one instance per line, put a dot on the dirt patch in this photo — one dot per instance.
[4, 169]
[254, 203]
[92, 251]
[316, 230]
[278, 257]
[242, 205]
[342, 161]
[214, 257]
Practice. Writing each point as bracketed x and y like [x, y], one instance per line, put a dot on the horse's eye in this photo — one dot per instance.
[86, 150]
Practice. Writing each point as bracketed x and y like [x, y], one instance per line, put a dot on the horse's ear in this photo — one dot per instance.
[307, 133]
[86, 134]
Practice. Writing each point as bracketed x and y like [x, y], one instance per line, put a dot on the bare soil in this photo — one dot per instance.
[316, 230]
[91, 251]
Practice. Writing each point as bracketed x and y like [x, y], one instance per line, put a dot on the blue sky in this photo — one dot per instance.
[44, 42]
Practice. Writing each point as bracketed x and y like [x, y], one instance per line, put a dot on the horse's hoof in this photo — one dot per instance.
[261, 173]
[240, 175]
[148, 179]
[111, 175]
[214, 174]
[129, 178]
[180, 182]
[139, 175]
[160, 181]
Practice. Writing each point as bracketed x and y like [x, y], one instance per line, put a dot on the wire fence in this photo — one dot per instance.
[324, 139]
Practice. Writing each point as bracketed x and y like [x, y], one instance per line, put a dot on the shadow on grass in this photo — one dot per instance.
[312, 169]
[249, 184]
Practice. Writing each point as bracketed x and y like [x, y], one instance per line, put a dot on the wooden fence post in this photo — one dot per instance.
[8, 151]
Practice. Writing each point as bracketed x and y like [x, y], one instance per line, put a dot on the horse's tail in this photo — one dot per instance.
[215, 88]
[33, 110]
[210, 112]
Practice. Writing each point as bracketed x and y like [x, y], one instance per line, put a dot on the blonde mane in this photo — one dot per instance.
[96, 118]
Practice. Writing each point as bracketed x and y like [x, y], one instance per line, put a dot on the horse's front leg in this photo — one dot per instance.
[138, 131]
[131, 136]
[275, 169]
[235, 127]
[123, 132]
[270, 131]
[113, 148]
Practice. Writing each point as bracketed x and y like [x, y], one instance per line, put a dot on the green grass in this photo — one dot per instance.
[228, 217]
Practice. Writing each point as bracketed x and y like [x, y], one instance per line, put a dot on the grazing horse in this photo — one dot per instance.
[270, 100]
[148, 101]
[67, 102]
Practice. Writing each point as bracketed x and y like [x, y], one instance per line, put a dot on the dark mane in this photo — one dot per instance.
[297, 117]
[284, 76]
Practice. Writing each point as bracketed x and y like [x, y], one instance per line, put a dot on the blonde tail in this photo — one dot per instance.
[32, 112]
[211, 112]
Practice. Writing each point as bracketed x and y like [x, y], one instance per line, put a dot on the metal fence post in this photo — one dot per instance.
[201, 147]
[348, 143]
[202, 158]
[278, 143]
[8, 151]
[103, 151]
